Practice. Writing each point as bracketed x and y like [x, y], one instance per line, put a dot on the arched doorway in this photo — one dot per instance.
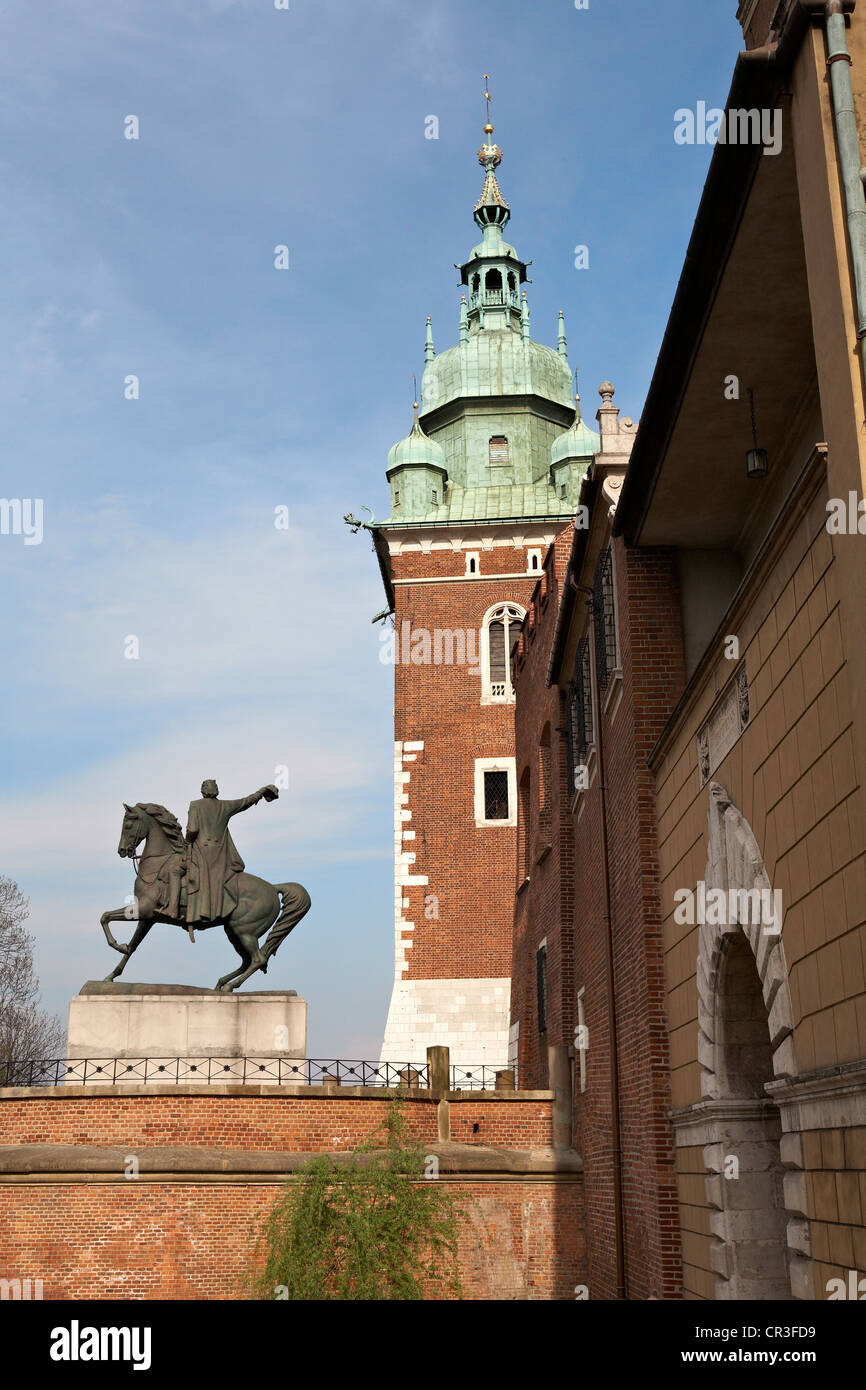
[745, 1042]
[751, 1220]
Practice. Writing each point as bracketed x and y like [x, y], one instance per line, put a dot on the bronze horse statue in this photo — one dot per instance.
[261, 907]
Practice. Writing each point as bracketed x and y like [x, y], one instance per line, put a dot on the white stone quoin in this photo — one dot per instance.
[175, 1025]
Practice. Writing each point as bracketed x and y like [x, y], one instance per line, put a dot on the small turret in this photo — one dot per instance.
[417, 474]
[571, 455]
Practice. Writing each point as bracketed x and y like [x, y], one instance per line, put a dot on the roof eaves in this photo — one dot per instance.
[726, 193]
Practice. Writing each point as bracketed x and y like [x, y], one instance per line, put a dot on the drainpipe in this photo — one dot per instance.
[615, 1132]
[848, 147]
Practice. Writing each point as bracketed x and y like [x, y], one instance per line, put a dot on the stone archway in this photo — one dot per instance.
[745, 1020]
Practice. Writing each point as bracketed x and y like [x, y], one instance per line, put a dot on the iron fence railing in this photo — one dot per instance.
[300, 1071]
[211, 1071]
[466, 1077]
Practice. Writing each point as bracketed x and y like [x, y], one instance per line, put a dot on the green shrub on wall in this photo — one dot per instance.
[376, 1224]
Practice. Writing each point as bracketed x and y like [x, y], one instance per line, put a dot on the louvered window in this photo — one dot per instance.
[499, 449]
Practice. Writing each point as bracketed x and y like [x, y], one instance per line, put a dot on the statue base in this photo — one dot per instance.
[153, 1034]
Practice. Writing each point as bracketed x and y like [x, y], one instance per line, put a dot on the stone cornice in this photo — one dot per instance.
[59, 1163]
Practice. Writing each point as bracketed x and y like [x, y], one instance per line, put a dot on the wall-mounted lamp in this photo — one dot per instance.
[757, 463]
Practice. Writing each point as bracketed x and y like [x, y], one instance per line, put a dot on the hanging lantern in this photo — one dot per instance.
[757, 462]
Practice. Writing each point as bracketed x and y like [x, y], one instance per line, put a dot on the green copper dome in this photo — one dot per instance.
[496, 404]
[579, 442]
[416, 448]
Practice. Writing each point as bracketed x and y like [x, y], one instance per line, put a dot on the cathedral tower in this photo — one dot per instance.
[487, 477]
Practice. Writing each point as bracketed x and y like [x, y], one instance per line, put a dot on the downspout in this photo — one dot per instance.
[848, 147]
[615, 1129]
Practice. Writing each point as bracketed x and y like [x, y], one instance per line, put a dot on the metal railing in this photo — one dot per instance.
[494, 298]
[285, 1071]
[467, 1077]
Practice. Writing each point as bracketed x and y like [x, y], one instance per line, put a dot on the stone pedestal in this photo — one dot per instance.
[137, 1035]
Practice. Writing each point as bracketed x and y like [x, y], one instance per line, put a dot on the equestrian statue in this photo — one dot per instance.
[199, 881]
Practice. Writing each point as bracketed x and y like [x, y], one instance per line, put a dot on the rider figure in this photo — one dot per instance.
[214, 862]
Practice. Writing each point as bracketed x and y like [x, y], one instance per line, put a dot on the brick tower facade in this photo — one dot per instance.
[487, 478]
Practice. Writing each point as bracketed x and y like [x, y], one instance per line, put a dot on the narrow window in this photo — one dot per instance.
[606, 654]
[523, 828]
[581, 1039]
[497, 654]
[541, 987]
[496, 795]
[579, 714]
[472, 562]
[435, 495]
[544, 807]
[533, 561]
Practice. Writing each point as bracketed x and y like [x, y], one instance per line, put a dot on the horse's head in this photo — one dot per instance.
[133, 830]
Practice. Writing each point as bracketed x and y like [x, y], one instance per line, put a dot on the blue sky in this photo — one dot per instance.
[261, 388]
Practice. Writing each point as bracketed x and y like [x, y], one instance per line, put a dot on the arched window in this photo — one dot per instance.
[502, 627]
[493, 287]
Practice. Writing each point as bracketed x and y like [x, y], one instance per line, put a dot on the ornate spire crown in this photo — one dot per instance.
[491, 208]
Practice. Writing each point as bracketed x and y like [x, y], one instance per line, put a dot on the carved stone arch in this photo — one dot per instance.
[755, 1187]
[735, 866]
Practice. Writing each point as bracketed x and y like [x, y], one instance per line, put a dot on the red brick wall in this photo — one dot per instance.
[261, 1123]
[186, 1240]
[543, 907]
[110, 1237]
[650, 632]
[573, 921]
[470, 870]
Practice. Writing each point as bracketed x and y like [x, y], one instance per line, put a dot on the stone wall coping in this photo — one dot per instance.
[70, 1161]
[72, 1091]
[847, 1077]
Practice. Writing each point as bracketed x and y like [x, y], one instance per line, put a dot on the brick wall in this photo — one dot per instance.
[211, 1168]
[543, 904]
[241, 1119]
[184, 1240]
[564, 903]
[454, 881]
[651, 658]
[470, 870]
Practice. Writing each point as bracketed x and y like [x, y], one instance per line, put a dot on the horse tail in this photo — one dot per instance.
[295, 904]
